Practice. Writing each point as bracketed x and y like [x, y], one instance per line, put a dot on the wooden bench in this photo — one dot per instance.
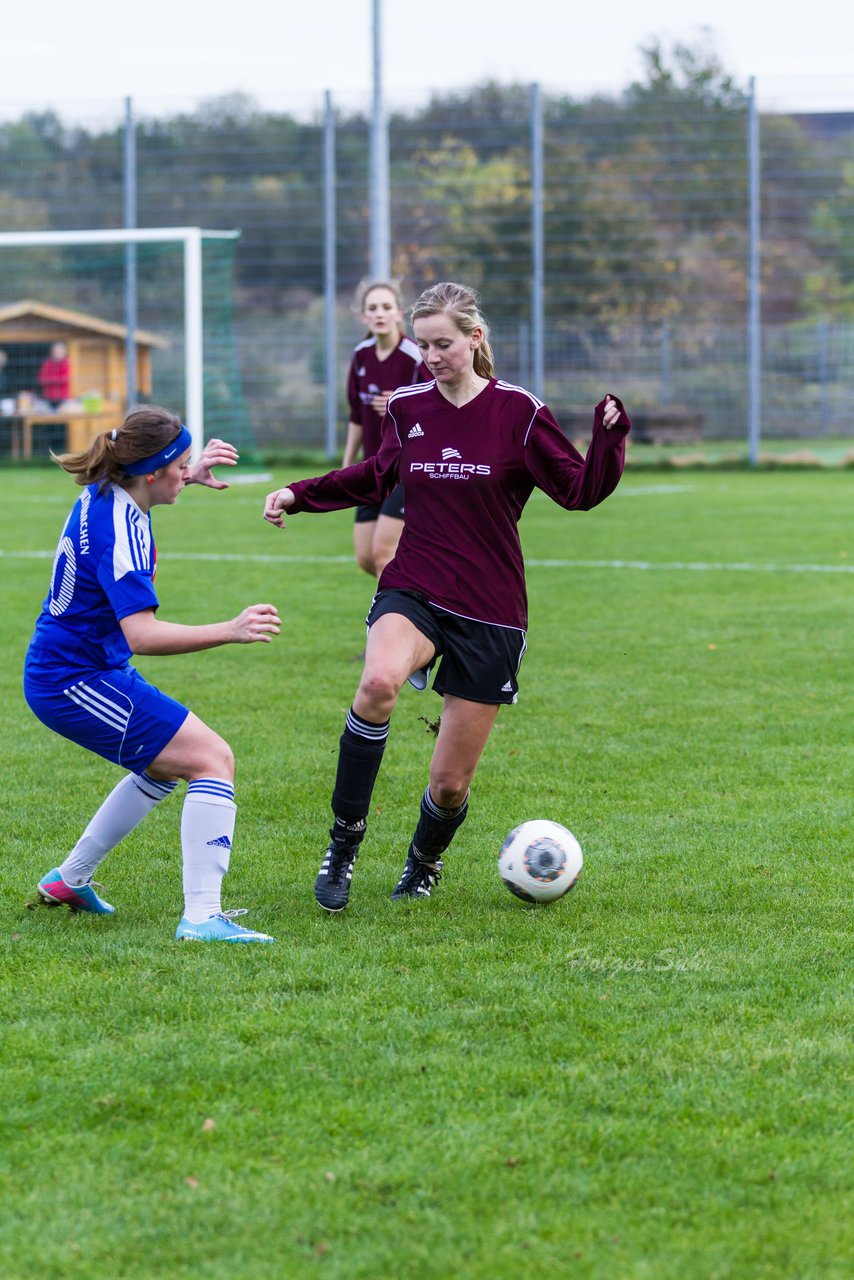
[666, 424]
[662, 424]
[81, 428]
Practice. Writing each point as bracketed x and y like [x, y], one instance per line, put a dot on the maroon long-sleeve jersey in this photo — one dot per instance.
[467, 473]
[369, 376]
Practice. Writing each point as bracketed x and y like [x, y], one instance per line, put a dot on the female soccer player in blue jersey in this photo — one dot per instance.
[469, 450]
[386, 358]
[99, 611]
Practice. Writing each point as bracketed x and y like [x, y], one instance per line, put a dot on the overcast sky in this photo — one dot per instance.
[77, 55]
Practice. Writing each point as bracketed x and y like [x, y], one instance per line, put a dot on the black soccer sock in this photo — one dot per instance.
[436, 827]
[359, 757]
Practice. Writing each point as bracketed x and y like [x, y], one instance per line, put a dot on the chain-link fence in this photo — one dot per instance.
[645, 215]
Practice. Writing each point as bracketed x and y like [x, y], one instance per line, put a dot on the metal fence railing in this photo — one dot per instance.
[646, 238]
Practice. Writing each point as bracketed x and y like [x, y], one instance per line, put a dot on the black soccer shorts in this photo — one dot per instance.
[391, 506]
[480, 661]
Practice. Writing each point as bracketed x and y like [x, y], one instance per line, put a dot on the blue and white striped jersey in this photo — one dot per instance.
[103, 571]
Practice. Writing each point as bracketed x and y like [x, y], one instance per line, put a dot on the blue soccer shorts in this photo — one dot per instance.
[117, 714]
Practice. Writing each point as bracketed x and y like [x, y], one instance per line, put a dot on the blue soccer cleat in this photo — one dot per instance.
[219, 928]
[54, 892]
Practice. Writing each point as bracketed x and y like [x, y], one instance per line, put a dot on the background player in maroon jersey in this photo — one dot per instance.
[381, 362]
[469, 449]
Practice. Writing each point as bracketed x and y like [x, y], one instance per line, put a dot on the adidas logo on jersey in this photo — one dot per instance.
[415, 432]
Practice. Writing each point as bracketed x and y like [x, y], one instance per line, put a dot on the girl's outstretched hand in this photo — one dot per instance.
[612, 413]
[276, 505]
[257, 622]
[216, 453]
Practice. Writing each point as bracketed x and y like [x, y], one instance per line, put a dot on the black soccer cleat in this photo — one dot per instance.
[418, 877]
[332, 886]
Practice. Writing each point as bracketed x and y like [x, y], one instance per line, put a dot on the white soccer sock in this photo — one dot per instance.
[207, 828]
[124, 808]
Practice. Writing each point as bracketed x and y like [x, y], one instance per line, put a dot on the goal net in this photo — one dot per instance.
[145, 316]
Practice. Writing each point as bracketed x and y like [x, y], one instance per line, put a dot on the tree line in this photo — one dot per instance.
[645, 195]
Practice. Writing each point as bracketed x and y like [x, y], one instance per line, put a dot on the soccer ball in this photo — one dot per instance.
[540, 861]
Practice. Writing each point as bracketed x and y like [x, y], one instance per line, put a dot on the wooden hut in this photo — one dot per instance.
[98, 382]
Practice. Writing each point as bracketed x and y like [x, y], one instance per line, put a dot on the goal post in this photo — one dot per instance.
[190, 240]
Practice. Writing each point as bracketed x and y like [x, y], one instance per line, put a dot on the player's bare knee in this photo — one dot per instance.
[449, 788]
[378, 690]
[216, 759]
[225, 756]
[161, 774]
[383, 551]
[366, 563]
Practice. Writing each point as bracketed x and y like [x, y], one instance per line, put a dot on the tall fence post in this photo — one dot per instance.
[823, 334]
[194, 352]
[330, 271]
[380, 201]
[524, 353]
[754, 319]
[665, 364]
[537, 243]
[130, 216]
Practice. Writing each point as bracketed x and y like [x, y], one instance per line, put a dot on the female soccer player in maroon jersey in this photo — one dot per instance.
[386, 358]
[469, 450]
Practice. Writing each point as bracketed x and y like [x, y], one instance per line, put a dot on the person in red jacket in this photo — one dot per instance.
[469, 449]
[55, 376]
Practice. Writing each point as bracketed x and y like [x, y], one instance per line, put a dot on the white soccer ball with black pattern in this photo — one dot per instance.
[540, 861]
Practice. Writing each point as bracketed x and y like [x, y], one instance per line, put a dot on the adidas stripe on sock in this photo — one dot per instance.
[360, 754]
[360, 728]
[436, 827]
[207, 830]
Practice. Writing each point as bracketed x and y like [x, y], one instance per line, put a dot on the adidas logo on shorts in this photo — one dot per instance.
[415, 432]
[507, 688]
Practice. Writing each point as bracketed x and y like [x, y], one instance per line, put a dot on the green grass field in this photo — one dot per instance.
[649, 1080]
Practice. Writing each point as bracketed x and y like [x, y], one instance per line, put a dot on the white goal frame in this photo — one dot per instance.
[191, 239]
